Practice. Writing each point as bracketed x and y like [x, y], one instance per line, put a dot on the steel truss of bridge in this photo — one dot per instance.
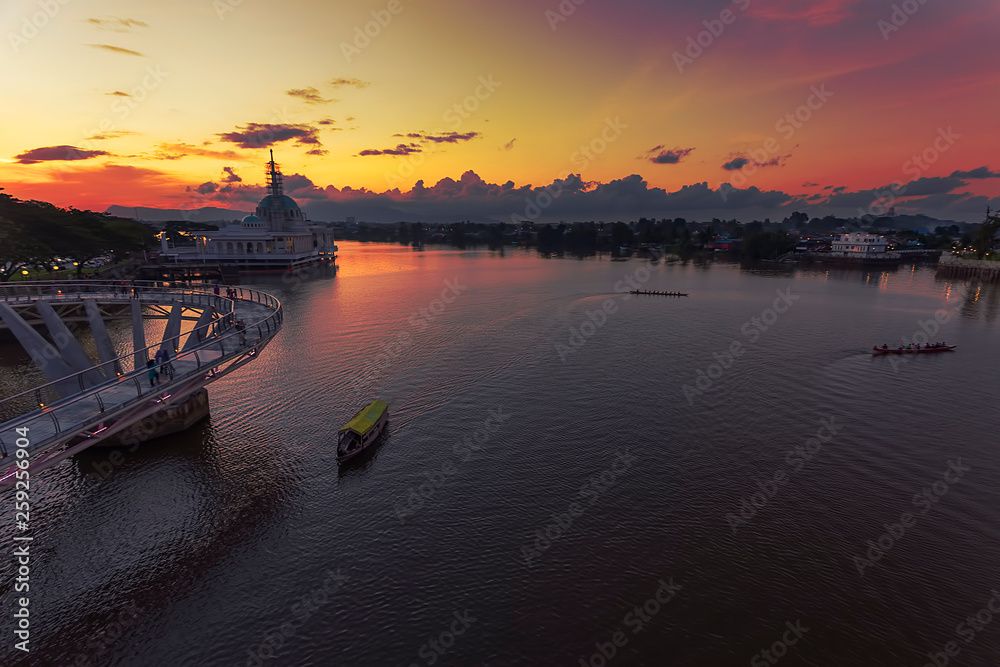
[87, 401]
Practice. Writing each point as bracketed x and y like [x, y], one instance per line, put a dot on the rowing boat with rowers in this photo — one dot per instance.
[657, 293]
[930, 349]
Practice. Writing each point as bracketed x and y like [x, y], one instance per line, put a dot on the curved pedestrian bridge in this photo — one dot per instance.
[87, 401]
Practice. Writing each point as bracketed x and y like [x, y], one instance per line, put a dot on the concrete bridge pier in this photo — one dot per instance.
[174, 418]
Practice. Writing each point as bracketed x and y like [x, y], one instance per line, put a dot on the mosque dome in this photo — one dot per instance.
[285, 202]
[251, 221]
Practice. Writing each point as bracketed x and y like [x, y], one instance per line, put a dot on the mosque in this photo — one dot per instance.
[276, 237]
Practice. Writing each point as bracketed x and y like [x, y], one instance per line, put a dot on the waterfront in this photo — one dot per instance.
[198, 548]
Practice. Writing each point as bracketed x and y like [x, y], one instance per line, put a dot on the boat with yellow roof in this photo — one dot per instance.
[362, 431]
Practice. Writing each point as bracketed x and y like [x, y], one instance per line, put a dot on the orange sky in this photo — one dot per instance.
[114, 102]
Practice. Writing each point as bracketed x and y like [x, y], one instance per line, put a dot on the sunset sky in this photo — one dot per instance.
[472, 108]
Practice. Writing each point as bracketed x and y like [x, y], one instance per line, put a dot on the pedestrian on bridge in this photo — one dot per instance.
[152, 373]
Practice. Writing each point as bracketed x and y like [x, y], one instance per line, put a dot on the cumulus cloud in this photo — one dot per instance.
[116, 49]
[230, 176]
[318, 151]
[510, 144]
[309, 95]
[263, 135]
[661, 155]
[205, 188]
[57, 153]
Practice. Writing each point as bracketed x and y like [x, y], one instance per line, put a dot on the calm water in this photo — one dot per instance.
[197, 549]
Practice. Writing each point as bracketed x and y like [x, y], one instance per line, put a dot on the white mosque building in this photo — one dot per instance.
[276, 237]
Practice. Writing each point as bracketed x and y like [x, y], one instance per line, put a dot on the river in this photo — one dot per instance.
[571, 476]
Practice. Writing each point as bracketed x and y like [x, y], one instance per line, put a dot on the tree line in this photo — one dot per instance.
[35, 234]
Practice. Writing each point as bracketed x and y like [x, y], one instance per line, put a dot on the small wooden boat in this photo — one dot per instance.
[915, 350]
[362, 431]
[647, 293]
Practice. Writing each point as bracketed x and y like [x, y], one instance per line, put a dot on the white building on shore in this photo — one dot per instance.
[276, 237]
[861, 245]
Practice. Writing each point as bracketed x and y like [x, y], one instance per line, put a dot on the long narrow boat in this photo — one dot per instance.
[647, 293]
[922, 350]
[362, 431]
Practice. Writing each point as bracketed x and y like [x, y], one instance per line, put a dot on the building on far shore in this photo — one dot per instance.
[860, 245]
[276, 237]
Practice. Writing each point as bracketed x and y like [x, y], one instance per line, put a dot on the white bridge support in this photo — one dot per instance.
[45, 356]
[201, 332]
[171, 335]
[105, 348]
[87, 402]
[138, 337]
[69, 347]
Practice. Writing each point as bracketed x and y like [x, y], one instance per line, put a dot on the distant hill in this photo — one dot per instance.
[325, 211]
[206, 214]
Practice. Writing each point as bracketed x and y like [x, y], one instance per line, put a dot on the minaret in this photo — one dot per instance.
[276, 190]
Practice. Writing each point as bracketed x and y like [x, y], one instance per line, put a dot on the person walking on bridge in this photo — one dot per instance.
[152, 373]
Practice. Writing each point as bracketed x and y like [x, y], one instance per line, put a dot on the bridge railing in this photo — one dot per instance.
[206, 355]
